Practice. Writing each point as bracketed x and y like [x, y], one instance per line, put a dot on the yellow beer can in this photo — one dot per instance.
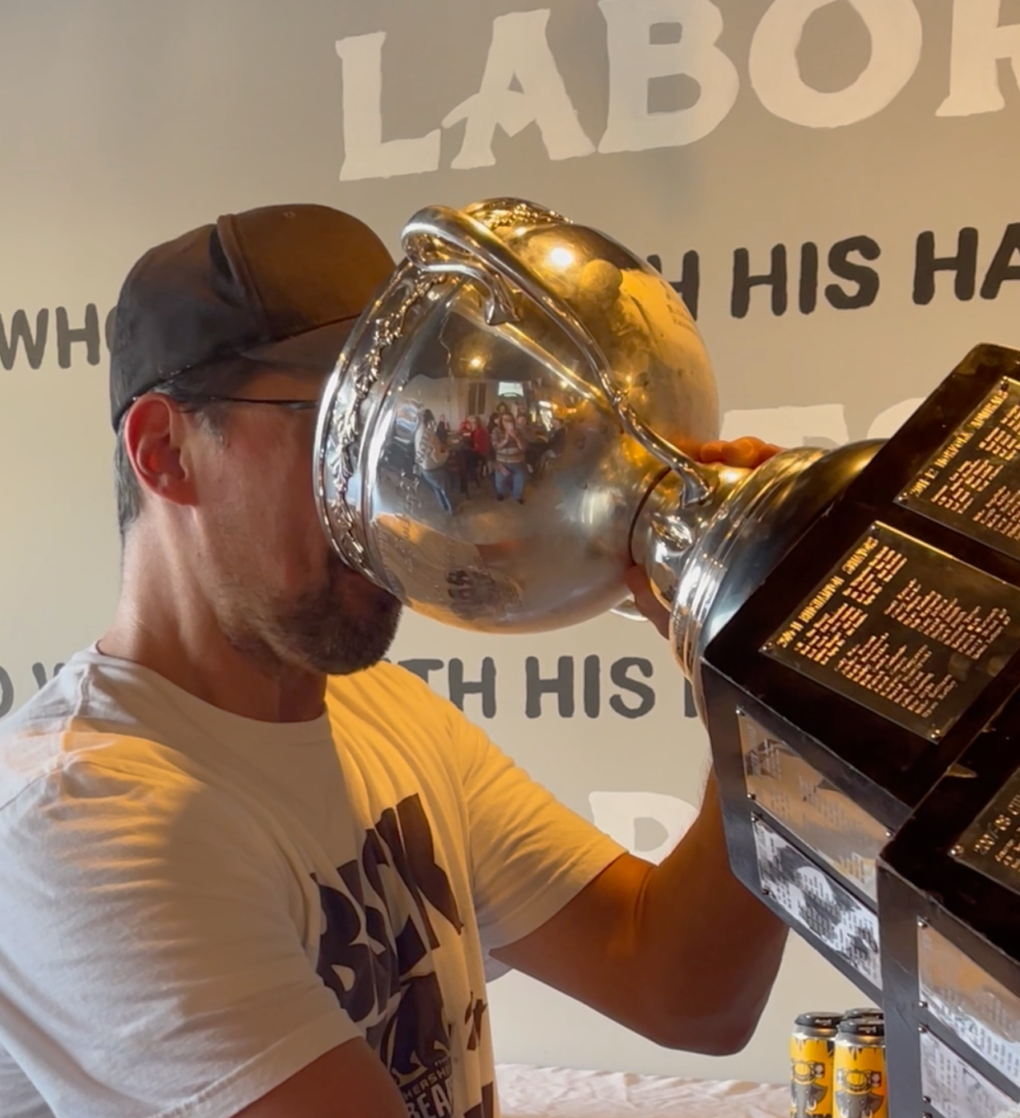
[859, 1071]
[811, 1054]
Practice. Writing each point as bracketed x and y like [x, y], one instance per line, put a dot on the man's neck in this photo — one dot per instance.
[216, 673]
[169, 628]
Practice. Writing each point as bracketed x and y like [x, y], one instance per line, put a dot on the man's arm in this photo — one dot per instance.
[349, 1081]
[680, 952]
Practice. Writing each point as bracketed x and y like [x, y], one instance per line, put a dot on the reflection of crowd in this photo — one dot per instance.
[510, 448]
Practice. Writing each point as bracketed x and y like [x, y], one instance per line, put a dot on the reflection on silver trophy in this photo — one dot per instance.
[509, 428]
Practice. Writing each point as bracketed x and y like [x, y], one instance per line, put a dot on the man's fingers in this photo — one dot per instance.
[645, 599]
[747, 452]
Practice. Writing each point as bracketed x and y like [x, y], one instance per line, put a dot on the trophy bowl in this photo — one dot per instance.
[498, 416]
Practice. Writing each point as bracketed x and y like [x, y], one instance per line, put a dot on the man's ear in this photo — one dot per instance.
[155, 435]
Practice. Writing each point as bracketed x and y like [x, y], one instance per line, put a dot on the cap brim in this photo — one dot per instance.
[314, 351]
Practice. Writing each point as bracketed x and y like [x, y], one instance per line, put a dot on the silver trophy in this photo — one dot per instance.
[510, 427]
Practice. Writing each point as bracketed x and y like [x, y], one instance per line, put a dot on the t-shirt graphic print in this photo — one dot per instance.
[375, 954]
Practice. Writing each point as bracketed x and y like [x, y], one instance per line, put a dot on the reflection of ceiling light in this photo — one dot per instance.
[561, 257]
[476, 362]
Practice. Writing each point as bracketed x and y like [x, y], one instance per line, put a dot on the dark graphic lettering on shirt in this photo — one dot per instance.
[375, 954]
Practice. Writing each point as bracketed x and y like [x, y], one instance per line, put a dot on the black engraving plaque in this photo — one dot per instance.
[972, 483]
[991, 844]
[904, 629]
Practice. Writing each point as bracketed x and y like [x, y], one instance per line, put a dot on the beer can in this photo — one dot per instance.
[863, 1011]
[859, 1071]
[811, 1049]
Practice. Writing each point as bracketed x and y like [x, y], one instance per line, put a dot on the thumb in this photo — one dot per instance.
[645, 599]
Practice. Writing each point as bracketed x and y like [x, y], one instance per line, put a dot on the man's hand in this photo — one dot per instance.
[746, 452]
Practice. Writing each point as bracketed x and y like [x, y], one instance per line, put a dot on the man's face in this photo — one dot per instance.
[281, 592]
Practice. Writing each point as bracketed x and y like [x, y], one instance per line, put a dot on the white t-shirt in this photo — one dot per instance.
[195, 905]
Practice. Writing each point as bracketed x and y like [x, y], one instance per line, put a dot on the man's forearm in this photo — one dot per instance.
[693, 908]
[681, 952]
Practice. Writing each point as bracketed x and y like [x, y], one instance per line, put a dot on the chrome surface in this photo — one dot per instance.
[596, 379]
[801, 889]
[442, 240]
[668, 527]
[827, 822]
[706, 561]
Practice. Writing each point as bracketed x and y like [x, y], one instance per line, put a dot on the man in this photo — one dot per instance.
[250, 870]
[431, 457]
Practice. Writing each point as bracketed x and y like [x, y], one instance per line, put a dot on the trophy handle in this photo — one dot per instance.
[439, 239]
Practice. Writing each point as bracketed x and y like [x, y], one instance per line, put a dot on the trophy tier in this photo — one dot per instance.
[863, 714]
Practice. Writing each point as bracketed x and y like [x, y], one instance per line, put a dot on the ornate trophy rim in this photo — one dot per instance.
[337, 446]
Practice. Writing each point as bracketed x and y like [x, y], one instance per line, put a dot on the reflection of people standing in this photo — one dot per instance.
[511, 472]
[430, 458]
[557, 435]
[481, 447]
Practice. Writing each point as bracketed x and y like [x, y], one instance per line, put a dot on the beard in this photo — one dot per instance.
[344, 626]
[349, 637]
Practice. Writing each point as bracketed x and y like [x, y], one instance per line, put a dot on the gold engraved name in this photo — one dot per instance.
[808, 613]
[959, 441]
[943, 619]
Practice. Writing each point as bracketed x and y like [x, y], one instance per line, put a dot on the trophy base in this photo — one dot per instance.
[873, 660]
[949, 903]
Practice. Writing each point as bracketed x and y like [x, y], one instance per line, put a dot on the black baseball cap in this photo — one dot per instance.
[280, 285]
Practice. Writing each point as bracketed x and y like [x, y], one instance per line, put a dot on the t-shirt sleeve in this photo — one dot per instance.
[529, 853]
[151, 962]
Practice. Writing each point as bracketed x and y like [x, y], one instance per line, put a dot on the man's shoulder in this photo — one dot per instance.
[75, 729]
[395, 708]
[82, 692]
[388, 688]
[389, 711]
[35, 730]
[83, 764]
[48, 709]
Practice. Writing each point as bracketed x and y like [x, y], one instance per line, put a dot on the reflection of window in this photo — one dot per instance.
[476, 399]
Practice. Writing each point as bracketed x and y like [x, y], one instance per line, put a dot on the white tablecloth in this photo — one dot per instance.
[529, 1092]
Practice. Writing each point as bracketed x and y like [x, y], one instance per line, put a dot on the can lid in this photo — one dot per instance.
[863, 1011]
[863, 1027]
[823, 1022]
